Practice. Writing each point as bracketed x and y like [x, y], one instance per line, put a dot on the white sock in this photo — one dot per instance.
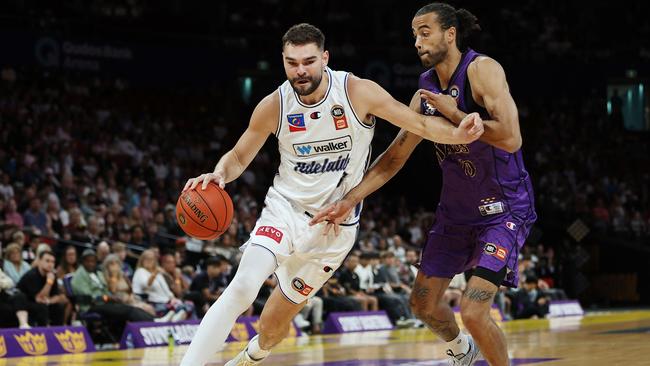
[254, 350]
[255, 267]
[460, 344]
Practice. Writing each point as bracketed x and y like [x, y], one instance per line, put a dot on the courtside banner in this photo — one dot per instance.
[44, 341]
[151, 334]
[561, 308]
[357, 322]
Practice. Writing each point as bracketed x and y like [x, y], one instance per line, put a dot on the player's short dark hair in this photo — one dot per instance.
[465, 22]
[302, 34]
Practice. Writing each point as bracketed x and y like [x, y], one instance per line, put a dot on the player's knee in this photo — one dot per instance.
[473, 318]
[240, 289]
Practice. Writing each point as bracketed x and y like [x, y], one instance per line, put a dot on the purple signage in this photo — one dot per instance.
[44, 341]
[357, 322]
[151, 334]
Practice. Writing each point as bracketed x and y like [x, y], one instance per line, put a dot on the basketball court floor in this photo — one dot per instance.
[614, 338]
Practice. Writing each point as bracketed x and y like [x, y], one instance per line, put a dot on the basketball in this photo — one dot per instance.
[204, 214]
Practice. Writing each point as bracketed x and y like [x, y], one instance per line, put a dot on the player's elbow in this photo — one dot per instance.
[512, 144]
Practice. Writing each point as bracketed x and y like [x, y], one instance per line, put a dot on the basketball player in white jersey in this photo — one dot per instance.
[324, 123]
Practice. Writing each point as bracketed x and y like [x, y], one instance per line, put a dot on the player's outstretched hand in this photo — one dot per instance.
[445, 104]
[334, 214]
[204, 179]
[469, 129]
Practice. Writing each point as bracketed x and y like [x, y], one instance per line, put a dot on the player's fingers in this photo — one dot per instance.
[206, 179]
[188, 184]
[327, 229]
[337, 229]
[427, 93]
[196, 181]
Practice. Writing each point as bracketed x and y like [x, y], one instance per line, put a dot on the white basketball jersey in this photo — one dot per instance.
[324, 148]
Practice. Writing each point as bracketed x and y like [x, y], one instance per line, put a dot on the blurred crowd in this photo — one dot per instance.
[91, 168]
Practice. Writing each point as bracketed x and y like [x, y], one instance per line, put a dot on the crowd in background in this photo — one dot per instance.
[91, 168]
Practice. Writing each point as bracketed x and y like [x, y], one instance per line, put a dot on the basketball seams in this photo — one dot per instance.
[199, 224]
[192, 216]
[216, 219]
[225, 206]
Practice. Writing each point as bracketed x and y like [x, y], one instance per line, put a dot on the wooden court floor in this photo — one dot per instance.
[618, 338]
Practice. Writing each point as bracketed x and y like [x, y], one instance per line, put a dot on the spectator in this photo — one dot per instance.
[173, 276]
[149, 282]
[13, 304]
[45, 303]
[120, 250]
[12, 217]
[211, 282]
[35, 216]
[103, 250]
[530, 301]
[68, 263]
[90, 282]
[13, 264]
[349, 279]
[119, 285]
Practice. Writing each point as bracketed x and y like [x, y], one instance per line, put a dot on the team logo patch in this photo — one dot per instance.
[314, 115]
[296, 122]
[299, 285]
[496, 250]
[324, 146]
[270, 232]
[454, 91]
[338, 113]
[511, 225]
[490, 249]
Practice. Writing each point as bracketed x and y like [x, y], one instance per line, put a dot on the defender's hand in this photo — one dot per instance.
[334, 214]
[445, 104]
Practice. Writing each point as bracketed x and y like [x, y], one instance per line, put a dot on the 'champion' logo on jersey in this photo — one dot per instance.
[324, 166]
[324, 146]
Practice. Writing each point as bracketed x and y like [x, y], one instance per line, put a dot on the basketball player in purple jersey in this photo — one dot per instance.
[486, 206]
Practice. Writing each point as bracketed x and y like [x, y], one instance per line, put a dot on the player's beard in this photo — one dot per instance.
[306, 89]
[435, 56]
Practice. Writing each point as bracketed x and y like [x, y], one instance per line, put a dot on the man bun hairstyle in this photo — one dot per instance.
[302, 34]
[465, 22]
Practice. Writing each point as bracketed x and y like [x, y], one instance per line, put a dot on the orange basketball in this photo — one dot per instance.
[204, 214]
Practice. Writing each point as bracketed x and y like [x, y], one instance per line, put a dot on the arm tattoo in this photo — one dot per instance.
[478, 295]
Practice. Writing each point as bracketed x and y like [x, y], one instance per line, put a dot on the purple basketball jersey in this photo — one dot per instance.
[481, 183]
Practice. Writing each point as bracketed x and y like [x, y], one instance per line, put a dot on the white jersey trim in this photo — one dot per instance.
[329, 87]
[347, 97]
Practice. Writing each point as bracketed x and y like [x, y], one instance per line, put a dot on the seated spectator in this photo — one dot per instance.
[14, 266]
[119, 286]
[45, 303]
[12, 216]
[68, 263]
[149, 282]
[173, 275]
[530, 301]
[335, 298]
[120, 250]
[103, 250]
[312, 312]
[349, 279]
[13, 304]
[210, 283]
[35, 216]
[90, 282]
